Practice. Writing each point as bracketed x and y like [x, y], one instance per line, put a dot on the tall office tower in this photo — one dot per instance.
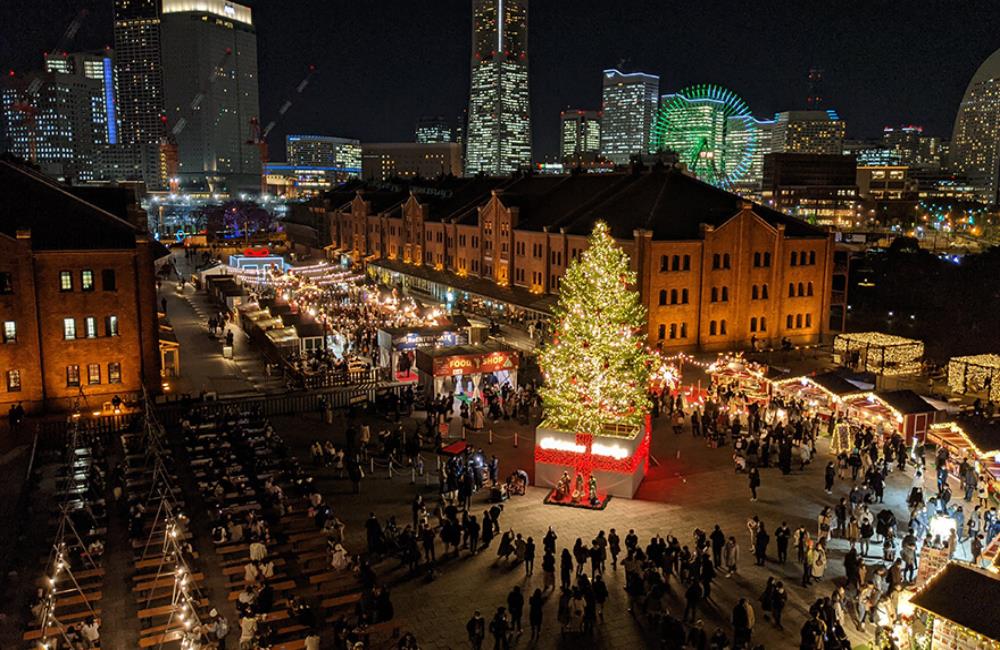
[57, 120]
[99, 66]
[579, 136]
[815, 98]
[819, 132]
[499, 127]
[210, 82]
[628, 113]
[743, 134]
[432, 129]
[975, 142]
[138, 71]
[904, 142]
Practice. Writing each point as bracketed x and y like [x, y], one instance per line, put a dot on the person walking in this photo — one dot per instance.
[731, 556]
[743, 623]
[535, 604]
[529, 557]
[548, 571]
[565, 568]
[600, 595]
[500, 629]
[614, 547]
[760, 545]
[718, 539]
[781, 537]
[778, 600]
[476, 629]
[829, 474]
[754, 479]
[693, 597]
[515, 605]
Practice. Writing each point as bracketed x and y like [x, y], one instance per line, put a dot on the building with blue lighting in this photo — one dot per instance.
[628, 112]
[816, 132]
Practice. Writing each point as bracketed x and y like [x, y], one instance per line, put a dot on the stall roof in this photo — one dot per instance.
[461, 350]
[309, 330]
[478, 286]
[834, 383]
[983, 432]
[964, 596]
[283, 336]
[422, 331]
[906, 401]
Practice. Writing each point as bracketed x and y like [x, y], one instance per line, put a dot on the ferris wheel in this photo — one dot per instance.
[711, 130]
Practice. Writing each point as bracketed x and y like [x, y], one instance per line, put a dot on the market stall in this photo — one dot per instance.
[742, 376]
[397, 345]
[461, 369]
[975, 438]
[824, 392]
[954, 610]
[875, 352]
[902, 411]
[976, 374]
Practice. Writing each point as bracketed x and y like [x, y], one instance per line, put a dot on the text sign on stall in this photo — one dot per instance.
[458, 365]
[498, 361]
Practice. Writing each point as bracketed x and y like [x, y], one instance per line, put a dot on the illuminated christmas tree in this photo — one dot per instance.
[597, 368]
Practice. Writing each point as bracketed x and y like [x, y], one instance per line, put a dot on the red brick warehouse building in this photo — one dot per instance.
[77, 295]
[714, 270]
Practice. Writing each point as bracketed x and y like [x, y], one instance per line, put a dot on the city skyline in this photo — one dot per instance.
[854, 44]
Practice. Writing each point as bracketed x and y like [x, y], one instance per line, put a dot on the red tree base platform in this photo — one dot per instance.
[584, 504]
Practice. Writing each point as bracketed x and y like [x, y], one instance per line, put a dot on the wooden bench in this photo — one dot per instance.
[159, 639]
[36, 632]
[237, 569]
[165, 581]
[277, 586]
[340, 602]
[155, 561]
[79, 599]
[164, 610]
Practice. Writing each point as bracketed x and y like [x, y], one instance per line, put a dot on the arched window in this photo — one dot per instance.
[712, 328]
[673, 330]
[753, 324]
[716, 261]
[802, 289]
[809, 289]
[795, 258]
[756, 260]
[687, 262]
[684, 330]
[754, 293]
[791, 289]
[663, 296]
[763, 292]
[809, 320]
[798, 321]
[725, 261]
[684, 296]
[789, 322]
[763, 324]
[661, 332]
[715, 294]
[767, 259]
[664, 263]
[725, 294]
[675, 263]
[812, 258]
[673, 296]
[722, 328]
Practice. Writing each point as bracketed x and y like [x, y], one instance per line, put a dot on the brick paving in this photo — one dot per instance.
[693, 486]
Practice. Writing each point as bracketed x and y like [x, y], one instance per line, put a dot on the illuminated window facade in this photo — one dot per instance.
[580, 136]
[819, 132]
[433, 129]
[629, 108]
[138, 70]
[975, 142]
[499, 124]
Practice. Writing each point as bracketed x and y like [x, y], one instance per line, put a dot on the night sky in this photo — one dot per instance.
[383, 63]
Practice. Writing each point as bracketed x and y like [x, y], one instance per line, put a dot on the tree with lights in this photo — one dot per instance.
[597, 368]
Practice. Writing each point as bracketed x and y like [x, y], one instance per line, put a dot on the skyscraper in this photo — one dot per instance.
[57, 120]
[138, 70]
[975, 142]
[628, 113]
[210, 82]
[432, 129]
[499, 127]
[579, 136]
[819, 132]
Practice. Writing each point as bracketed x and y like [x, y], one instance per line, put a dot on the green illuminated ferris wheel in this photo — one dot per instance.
[711, 130]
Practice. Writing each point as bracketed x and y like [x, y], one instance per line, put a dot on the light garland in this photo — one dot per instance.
[896, 355]
[970, 374]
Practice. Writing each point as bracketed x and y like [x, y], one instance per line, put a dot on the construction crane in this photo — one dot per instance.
[28, 105]
[168, 143]
[258, 136]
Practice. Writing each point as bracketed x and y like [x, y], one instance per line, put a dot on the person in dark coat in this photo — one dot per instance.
[515, 605]
[754, 479]
[760, 545]
[535, 604]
